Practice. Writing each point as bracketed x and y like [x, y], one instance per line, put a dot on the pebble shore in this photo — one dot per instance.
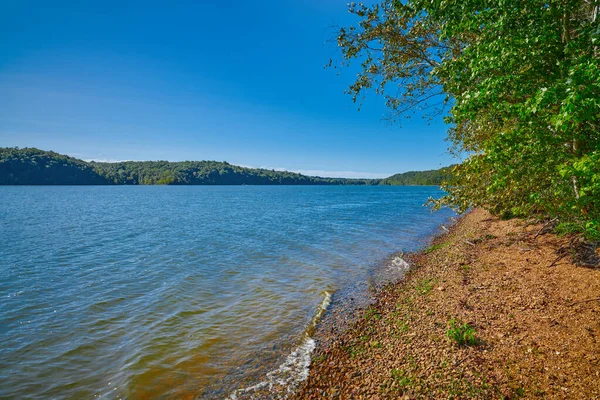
[535, 322]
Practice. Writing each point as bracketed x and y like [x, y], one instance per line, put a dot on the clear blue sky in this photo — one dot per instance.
[233, 81]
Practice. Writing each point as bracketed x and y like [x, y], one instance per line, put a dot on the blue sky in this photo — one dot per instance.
[235, 81]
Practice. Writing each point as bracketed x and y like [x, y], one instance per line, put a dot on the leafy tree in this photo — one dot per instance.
[521, 79]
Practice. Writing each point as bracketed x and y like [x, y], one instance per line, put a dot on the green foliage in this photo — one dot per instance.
[319, 358]
[427, 178]
[402, 379]
[371, 313]
[521, 80]
[207, 173]
[31, 166]
[354, 350]
[435, 247]
[461, 333]
[424, 286]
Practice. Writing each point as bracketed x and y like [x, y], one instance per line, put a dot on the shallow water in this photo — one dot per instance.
[156, 291]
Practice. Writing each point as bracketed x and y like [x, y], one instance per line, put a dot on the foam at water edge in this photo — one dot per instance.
[399, 263]
[283, 380]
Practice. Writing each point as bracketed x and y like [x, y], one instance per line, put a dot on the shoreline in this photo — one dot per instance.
[339, 309]
[535, 327]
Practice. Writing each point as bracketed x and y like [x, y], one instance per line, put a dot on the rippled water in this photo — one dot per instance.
[173, 292]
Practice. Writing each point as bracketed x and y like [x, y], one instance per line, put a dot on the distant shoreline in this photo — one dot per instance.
[31, 166]
[205, 184]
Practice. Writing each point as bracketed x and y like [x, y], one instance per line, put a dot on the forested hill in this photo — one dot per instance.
[207, 173]
[31, 166]
[433, 177]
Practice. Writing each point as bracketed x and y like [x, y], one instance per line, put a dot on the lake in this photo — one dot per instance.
[183, 291]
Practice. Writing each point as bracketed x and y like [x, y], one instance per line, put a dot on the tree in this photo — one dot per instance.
[522, 82]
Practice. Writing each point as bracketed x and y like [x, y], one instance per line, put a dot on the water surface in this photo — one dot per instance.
[160, 291]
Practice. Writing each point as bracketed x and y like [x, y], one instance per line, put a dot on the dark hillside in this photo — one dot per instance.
[30, 166]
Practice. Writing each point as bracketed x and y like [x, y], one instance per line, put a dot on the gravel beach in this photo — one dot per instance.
[490, 310]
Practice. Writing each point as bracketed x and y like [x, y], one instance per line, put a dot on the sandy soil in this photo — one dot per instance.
[536, 322]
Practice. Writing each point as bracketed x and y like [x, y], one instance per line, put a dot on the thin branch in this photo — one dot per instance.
[557, 260]
[544, 227]
[586, 301]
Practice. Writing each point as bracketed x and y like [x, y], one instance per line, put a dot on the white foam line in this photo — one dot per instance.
[399, 263]
[294, 369]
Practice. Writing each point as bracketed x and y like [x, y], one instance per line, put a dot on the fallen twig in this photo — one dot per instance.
[557, 260]
[586, 301]
[457, 363]
[544, 227]
[469, 242]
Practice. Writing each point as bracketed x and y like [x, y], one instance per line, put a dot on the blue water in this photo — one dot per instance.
[160, 291]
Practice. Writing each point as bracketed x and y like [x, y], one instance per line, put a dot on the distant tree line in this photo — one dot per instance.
[206, 173]
[434, 177]
[31, 166]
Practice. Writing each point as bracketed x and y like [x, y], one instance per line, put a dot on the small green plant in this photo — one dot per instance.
[354, 351]
[436, 247]
[401, 321]
[483, 238]
[406, 301]
[372, 314]
[402, 379]
[320, 358]
[424, 286]
[403, 326]
[518, 392]
[461, 333]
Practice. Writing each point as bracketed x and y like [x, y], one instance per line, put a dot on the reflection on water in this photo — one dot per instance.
[143, 292]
